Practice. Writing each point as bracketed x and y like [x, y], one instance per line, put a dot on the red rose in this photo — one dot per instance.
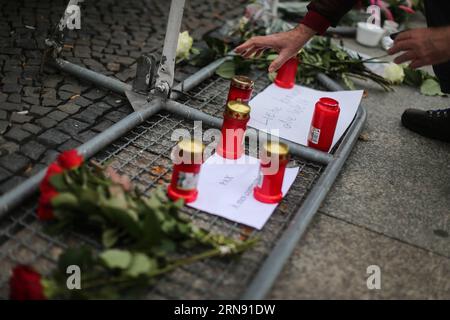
[70, 159]
[47, 196]
[25, 284]
[45, 210]
[53, 169]
[48, 192]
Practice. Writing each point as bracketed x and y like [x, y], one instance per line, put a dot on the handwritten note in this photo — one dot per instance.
[290, 111]
[226, 186]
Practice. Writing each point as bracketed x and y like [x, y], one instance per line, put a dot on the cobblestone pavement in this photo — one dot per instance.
[41, 115]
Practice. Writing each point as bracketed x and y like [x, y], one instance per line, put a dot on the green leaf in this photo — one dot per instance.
[431, 87]
[348, 82]
[58, 182]
[116, 259]
[152, 202]
[122, 218]
[412, 77]
[81, 257]
[179, 204]
[152, 231]
[50, 288]
[88, 200]
[141, 264]
[109, 237]
[161, 193]
[118, 201]
[227, 70]
[167, 246]
[195, 50]
[65, 200]
[272, 56]
[272, 76]
[215, 44]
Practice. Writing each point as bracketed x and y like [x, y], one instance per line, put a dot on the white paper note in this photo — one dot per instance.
[225, 188]
[290, 111]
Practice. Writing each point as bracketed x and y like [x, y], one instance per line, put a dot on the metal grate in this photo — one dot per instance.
[144, 155]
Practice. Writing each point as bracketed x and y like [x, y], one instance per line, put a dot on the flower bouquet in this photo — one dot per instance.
[139, 237]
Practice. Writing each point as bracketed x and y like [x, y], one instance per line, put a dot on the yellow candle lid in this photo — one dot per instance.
[276, 149]
[237, 110]
[191, 146]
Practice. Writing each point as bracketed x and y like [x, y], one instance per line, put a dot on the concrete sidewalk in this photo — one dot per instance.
[390, 207]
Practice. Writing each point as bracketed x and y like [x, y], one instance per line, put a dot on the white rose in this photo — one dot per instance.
[184, 45]
[394, 73]
[243, 22]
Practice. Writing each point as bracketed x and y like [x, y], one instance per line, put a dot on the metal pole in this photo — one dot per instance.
[166, 70]
[120, 87]
[190, 113]
[198, 77]
[329, 83]
[92, 76]
[17, 195]
[272, 266]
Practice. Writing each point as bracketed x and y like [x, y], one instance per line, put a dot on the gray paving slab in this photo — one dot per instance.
[397, 182]
[331, 263]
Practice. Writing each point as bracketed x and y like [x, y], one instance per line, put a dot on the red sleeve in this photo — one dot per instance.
[323, 13]
[316, 22]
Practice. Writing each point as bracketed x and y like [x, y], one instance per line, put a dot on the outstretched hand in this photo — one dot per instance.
[424, 46]
[287, 44]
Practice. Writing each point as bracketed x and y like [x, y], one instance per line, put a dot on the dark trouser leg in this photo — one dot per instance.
[437, 13]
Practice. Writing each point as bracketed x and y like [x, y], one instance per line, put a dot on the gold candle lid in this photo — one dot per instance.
[273, 148]
[189, 151]
[237, 110]
[191, 146]
[242, 82]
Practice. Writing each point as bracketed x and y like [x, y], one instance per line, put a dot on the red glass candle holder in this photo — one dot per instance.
[235, 119]
[241, 88]
[188, 158]
[323, 124]
[286, 74]
[274, 158]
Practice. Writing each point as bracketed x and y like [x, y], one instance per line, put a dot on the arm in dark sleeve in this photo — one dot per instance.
[323, 13]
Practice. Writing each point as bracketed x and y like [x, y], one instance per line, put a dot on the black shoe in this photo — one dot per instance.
[433, 124]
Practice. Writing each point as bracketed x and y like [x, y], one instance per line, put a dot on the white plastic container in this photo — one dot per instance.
[369, 34]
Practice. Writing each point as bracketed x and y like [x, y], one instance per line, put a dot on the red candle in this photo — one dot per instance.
[235, 119]
[323, 124]
[188, 158]
[241, 88]
[286, 74]
[274, 158]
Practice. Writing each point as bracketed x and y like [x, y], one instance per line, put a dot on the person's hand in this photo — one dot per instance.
[425, 46]
[287, 44]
